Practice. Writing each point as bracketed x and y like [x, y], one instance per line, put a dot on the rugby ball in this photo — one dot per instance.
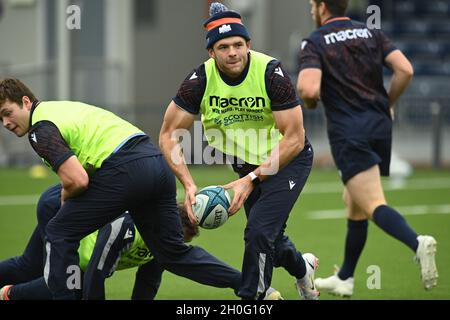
[211, 207]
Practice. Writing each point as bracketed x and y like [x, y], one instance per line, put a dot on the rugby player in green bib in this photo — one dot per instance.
[116, 246]
[251, 113]
[106, 166]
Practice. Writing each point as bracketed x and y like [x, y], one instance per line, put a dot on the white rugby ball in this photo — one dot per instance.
[211, 208]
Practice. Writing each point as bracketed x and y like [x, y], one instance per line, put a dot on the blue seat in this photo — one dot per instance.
[411, 27]
[436, 8]
[446, 51]
[387, 27]
[404, 8]
[425, 49]
[437, 68]
[440, 29]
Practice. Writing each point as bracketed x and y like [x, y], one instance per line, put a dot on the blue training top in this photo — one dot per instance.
[351, 58]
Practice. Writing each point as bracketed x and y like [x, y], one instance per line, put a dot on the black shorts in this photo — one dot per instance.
[353, 156]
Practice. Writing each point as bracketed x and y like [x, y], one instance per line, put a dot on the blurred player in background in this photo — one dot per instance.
[237, 90]
[341, 63]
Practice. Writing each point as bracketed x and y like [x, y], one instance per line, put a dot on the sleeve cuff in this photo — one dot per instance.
[180, 104]
[389, 51]
[310, 66]
[286, 106]
[61, 160]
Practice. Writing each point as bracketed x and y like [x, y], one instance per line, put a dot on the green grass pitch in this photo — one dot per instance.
[424, 199]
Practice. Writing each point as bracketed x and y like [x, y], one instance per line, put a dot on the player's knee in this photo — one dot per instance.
[259, 239]
[283, 255]
[42, 213]
[48, 205]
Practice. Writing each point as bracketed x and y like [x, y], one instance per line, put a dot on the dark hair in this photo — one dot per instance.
[14, 90]
[336, 7]
[190, 229]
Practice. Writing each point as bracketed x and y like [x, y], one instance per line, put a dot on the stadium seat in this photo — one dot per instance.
[410, 27]
[387, 26]
[404, 8]
[440, 29]
[430, 49]
[436, 8]
[431, 68]
[421, 29]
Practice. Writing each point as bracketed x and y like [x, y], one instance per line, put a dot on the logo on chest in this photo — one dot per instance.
[245, 102]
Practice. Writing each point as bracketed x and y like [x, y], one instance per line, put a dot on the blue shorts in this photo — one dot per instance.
[353, 156]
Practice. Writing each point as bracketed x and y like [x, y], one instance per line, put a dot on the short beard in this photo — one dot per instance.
[318, 20]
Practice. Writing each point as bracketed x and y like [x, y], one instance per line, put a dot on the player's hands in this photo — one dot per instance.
[189, 200]
[242, 189]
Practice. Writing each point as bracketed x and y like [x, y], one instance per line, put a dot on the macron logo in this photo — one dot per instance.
[291, 184]
[304, 43]
[128, 235]
[33, 137]
[279, 72]
[194, 76]
[349, 34]
[225, 28]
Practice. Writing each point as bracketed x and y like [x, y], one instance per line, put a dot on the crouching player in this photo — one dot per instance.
[117, 246]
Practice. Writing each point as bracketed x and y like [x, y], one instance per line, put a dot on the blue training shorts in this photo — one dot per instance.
[353, 156]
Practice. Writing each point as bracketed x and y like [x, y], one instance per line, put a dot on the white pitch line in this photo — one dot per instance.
[310, 188]
[25, 200]
[406, 210]
[415, 184]
[388, 185]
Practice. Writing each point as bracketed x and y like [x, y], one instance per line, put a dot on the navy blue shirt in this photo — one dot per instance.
[53, 148]
[351, 58]
[279, 88]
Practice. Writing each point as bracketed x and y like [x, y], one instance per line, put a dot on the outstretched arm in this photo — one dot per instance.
[176, 122]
